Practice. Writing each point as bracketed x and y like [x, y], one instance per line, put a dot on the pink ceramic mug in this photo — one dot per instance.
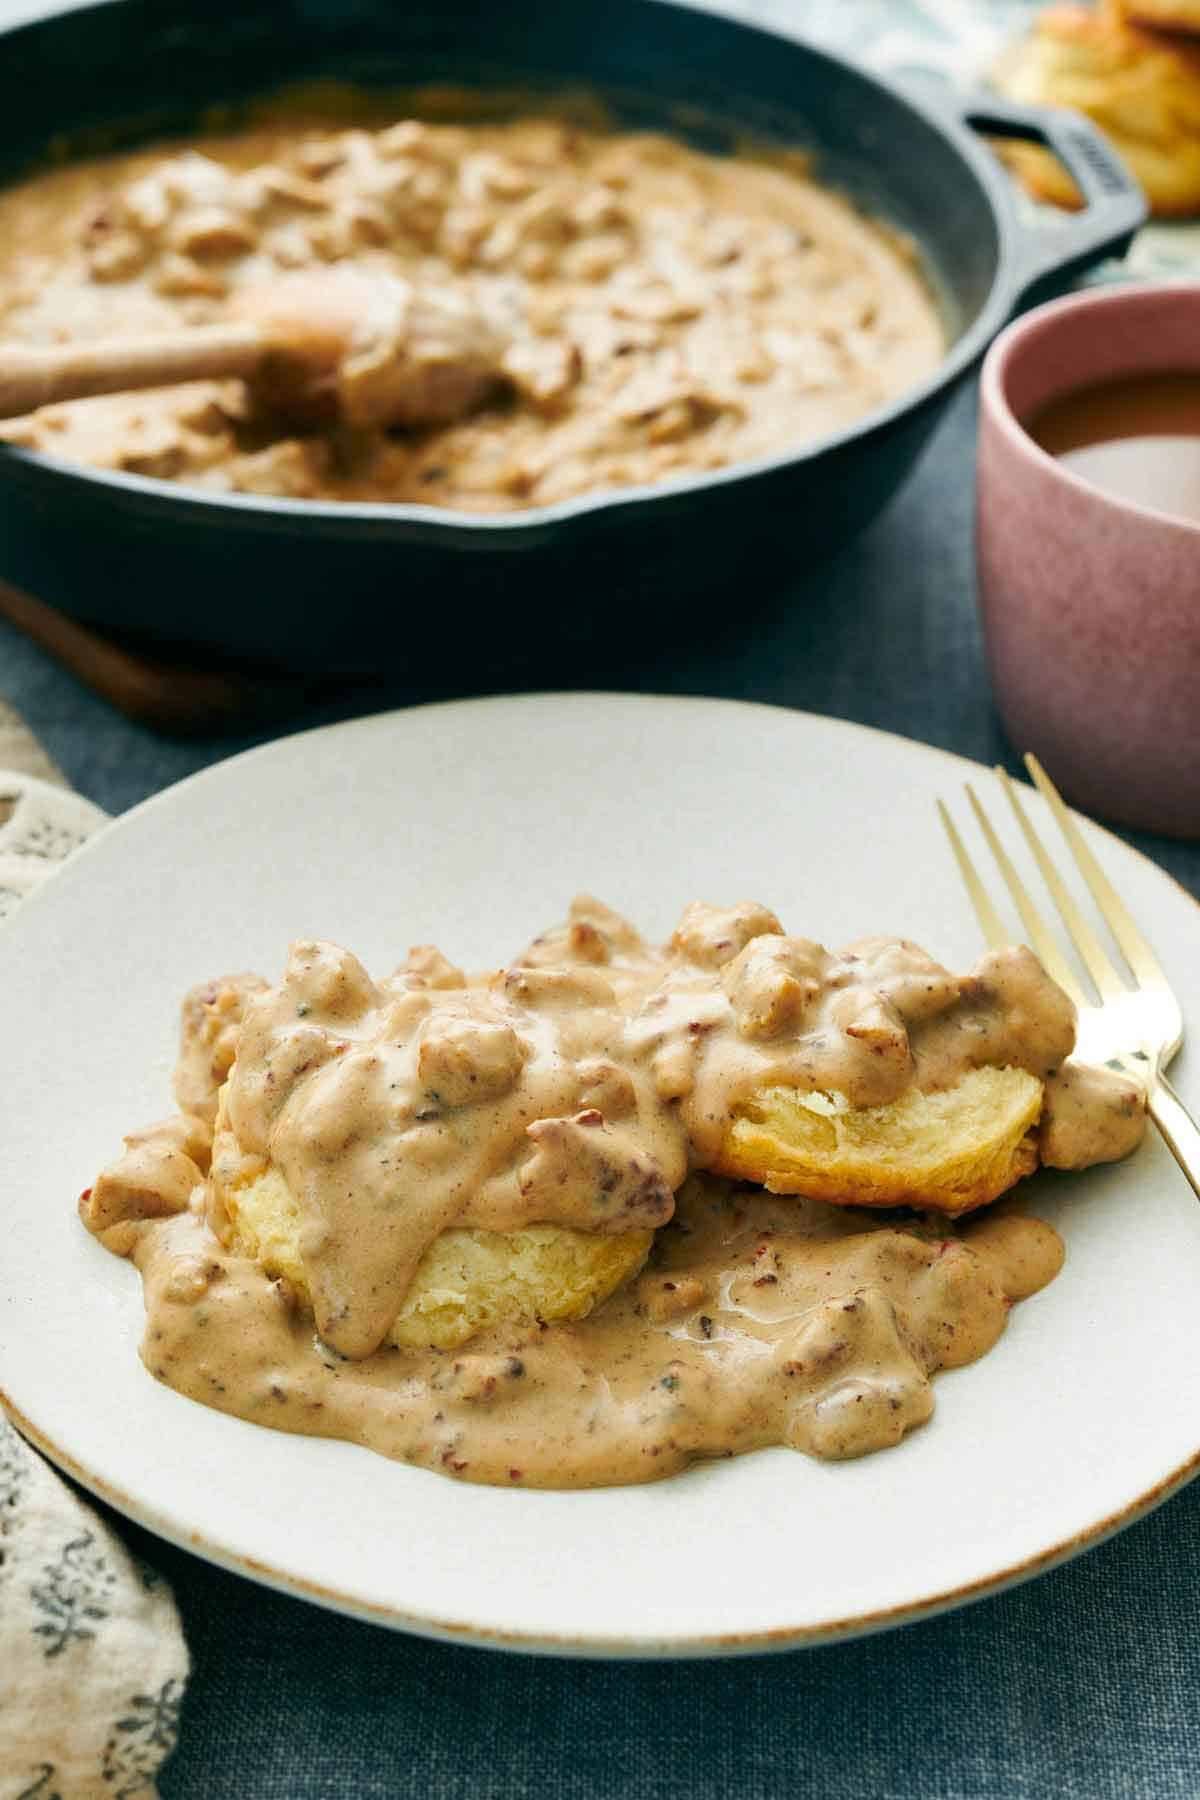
[1091, 605]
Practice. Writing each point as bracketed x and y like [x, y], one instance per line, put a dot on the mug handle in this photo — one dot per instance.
[1114, 204]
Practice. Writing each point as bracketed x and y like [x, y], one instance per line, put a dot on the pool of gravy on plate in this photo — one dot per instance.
[586, 1085]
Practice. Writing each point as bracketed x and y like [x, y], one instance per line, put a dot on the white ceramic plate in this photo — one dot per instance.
[472, 825]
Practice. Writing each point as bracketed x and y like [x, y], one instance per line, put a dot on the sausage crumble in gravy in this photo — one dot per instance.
[664, 311]
[588, 1087]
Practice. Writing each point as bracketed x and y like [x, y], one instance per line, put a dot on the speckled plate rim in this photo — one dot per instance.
[862, 1621]
[462, 1631]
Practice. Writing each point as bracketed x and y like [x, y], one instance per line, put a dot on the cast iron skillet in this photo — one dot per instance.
[325, 586]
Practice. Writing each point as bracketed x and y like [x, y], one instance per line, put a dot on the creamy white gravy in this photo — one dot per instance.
[578, 1088]
[664, 311]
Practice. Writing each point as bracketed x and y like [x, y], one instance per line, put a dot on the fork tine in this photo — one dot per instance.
[1052, 958]
[1091, 950]
[985, 912]
[1134, 948]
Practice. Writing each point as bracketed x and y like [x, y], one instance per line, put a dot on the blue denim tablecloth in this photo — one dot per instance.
[1082, 1684]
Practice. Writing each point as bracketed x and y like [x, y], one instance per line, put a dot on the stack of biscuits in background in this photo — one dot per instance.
[1133, 66]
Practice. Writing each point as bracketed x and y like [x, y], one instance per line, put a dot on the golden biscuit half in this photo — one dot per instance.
[466, 1281]
[1162, 15]
[949, 1152]
[1140, 87]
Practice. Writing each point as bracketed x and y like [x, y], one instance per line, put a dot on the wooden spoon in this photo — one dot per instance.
[373, 350]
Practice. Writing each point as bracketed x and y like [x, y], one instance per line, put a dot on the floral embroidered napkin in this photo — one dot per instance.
[92, 1658]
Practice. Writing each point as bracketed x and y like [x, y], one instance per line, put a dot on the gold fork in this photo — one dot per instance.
[1133, 1025]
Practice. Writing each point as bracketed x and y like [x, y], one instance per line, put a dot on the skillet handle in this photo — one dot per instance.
[1114, 205]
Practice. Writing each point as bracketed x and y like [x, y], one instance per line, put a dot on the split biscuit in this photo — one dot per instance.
[949, 1151]
[466, 1282]
[1140, 87]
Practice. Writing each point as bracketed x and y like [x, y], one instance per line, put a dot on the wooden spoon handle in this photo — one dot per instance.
[33, 377]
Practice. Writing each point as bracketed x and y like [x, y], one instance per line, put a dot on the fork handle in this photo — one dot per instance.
[1178, 1127]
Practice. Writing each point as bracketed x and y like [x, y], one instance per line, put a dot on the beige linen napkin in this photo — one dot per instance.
[92, 1659]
